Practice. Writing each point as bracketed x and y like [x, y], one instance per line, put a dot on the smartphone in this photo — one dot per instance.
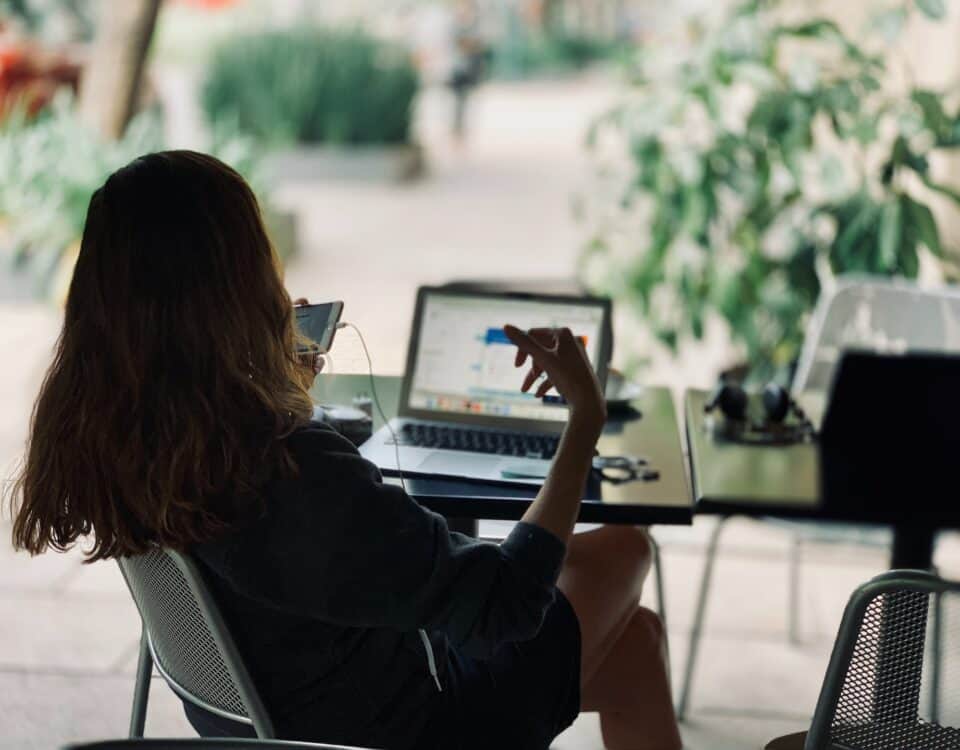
[318, 323]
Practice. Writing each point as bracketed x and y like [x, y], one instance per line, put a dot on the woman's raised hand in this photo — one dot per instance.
[560, 356]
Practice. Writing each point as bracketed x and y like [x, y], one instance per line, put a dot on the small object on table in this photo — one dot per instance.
[364, 403]
[355, 425]
[620, 392]
[521, 470]
[623, 469]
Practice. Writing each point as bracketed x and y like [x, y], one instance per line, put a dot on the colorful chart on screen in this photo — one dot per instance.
[465, 362]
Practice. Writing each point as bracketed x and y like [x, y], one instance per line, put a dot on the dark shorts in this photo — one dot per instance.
[520, 698]
[525, 694]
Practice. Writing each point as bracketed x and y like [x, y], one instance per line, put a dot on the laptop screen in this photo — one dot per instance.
[462, 362]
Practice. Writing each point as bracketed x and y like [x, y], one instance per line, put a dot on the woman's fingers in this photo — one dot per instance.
[525, 343]
[540, 345]
[546, 337]
[536, 341]
[301, 301]
[532, 375]
[545, 386]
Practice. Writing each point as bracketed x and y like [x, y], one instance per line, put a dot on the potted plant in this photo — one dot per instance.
[769, 157]
[329, 103]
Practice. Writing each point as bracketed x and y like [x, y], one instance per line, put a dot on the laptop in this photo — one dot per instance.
[461, 412]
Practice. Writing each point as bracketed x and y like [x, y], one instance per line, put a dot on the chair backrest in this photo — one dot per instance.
[885, 683]
[882, 315]
[189, 640]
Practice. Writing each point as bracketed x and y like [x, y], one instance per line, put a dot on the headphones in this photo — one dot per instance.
[783, 421]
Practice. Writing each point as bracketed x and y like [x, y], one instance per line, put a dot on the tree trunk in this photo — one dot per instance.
[111, 80]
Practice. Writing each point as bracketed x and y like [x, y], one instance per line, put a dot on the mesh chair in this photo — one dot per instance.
[201, 744]
[186, 637]
[887, 654]
[861, 312]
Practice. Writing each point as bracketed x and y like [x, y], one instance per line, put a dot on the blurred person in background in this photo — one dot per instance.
[468, 62]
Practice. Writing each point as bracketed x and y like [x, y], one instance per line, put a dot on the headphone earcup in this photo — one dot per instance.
[731, 399]
[776, 403]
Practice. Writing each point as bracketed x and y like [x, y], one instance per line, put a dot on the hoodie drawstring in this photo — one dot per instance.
[431, 660]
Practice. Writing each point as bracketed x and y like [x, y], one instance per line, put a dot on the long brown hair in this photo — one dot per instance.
[175, 379]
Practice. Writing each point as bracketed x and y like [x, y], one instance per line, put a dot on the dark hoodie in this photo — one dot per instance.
[342, 592]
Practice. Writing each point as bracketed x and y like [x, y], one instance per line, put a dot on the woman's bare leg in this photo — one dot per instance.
[603, 577]
[631, 689]
[623, 662]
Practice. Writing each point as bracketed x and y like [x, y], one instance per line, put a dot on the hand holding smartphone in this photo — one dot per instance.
[318, 324]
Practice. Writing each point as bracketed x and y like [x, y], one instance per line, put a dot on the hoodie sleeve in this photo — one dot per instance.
[341, 545]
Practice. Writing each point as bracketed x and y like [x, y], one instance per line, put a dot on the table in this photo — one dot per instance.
[651, 431]
[785, 482]
[732, 479]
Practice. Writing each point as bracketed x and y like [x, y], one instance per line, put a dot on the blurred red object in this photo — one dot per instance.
[30, 76]
[210, 4]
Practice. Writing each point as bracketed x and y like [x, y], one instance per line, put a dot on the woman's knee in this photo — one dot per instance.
[612, 559]
[647, 627]
[632, 546]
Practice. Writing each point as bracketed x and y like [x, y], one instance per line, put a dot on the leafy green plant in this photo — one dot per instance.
[52, 164]
[770, 156]
[312, 85]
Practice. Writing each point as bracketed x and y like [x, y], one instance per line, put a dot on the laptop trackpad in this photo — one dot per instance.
[494, 468]
[457, 464]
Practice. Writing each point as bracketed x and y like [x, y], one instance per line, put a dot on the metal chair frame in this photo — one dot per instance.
[818, 736]
[795, 561]
[257, 714]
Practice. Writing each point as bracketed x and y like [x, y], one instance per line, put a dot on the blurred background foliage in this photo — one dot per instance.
[766, 157]
[53, 19]
[51, 165]
[748, 164]
[522, 52]
[312, 86]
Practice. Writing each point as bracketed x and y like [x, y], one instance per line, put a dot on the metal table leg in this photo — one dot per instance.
[912, 548]
[695, 630]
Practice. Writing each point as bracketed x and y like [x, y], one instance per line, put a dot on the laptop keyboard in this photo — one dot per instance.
[527, 445]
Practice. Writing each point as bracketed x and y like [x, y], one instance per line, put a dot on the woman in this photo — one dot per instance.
[175, 413]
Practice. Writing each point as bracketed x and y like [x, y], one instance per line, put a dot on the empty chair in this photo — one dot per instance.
[881, 315]
[883, 685]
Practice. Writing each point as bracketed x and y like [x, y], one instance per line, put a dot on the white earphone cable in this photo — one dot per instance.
[427, 645]
[376, 399]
